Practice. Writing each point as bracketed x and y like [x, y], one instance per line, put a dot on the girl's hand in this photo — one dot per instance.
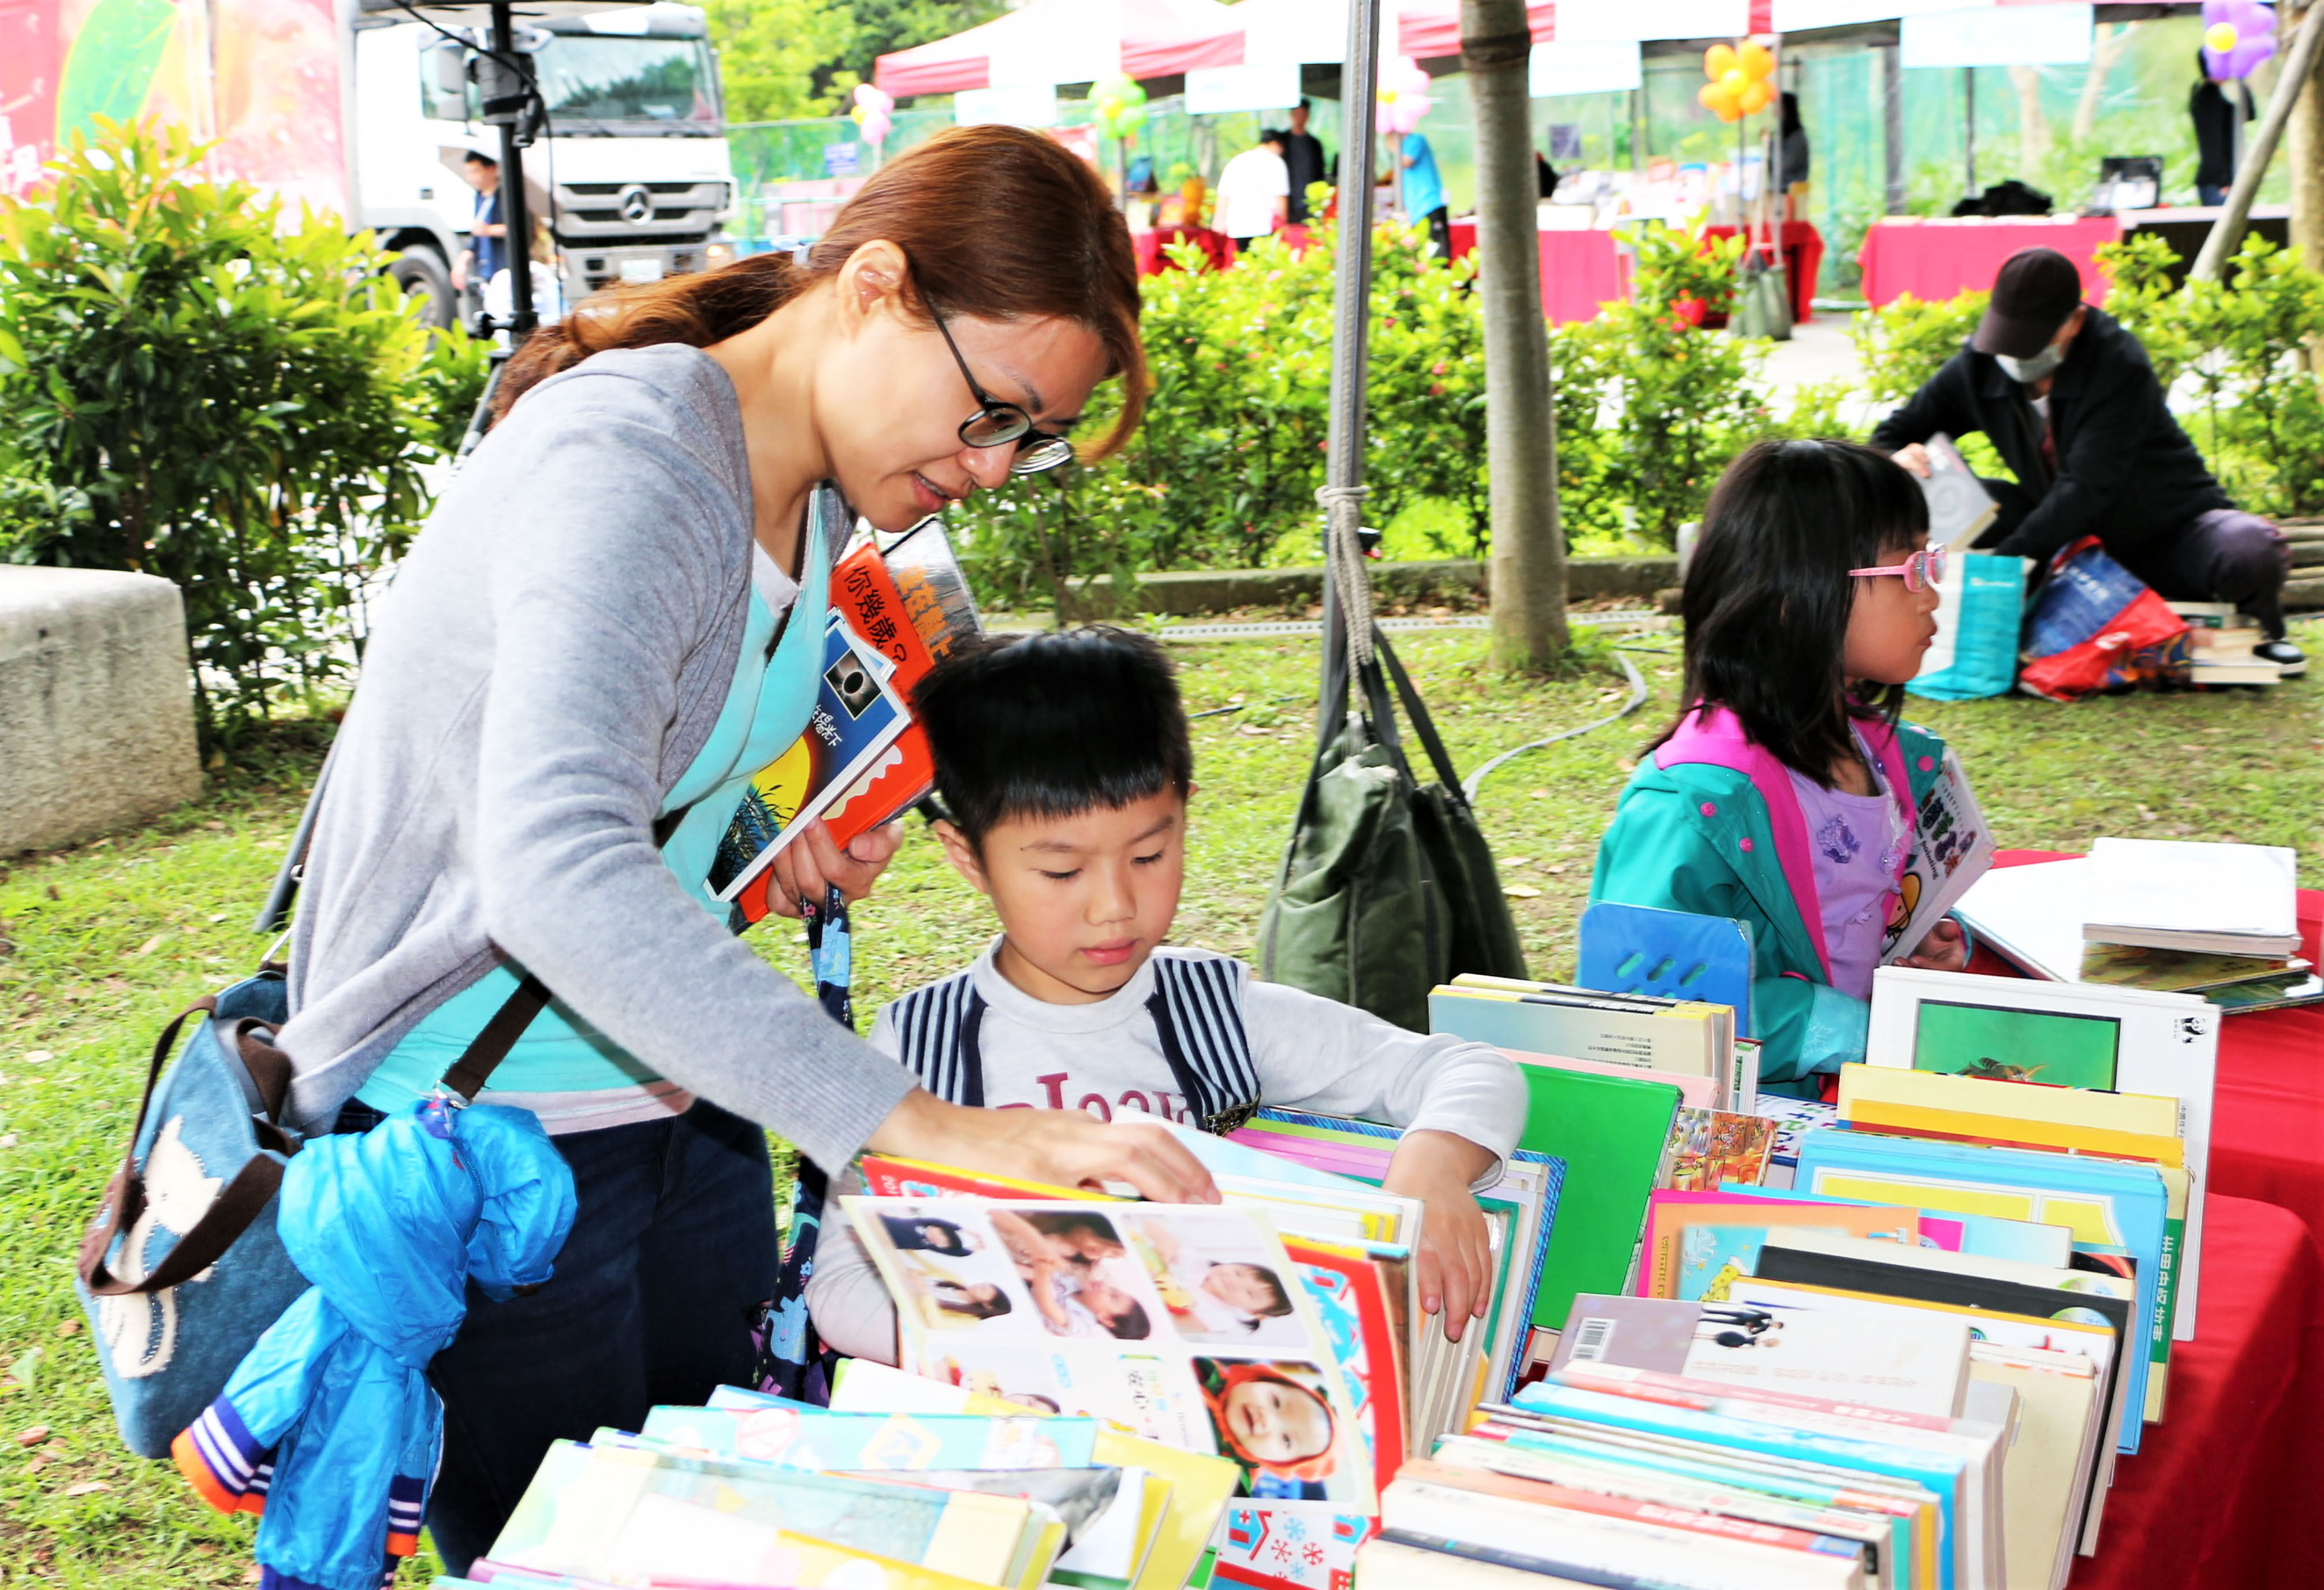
[815, 861]
[1065, 1148]
[1945, 950]
[1456, 1257]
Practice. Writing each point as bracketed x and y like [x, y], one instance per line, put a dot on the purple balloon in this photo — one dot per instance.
[2255, 26]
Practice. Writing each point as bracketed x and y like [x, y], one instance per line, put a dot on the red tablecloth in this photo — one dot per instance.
[1152, 262]
[1579, 270]
[1803, 247]
[1938, 259]
[2226, 1490]
[2267, 1114]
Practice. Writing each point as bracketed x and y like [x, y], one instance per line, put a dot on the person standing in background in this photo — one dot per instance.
[1791, 157]
[2214, 115]
[1423, 194]
[1255, 189]
[487, 249]
[1303, 156]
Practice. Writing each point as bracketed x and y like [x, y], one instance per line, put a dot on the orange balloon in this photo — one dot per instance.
[1718, 61]
[1721, 101]
[1757, 60]
[1735, 82]
[1758, 97]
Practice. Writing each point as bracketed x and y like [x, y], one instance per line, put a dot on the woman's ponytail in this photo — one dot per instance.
[999, 223]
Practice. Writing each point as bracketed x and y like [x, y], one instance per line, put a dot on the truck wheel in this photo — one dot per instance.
[418, 271]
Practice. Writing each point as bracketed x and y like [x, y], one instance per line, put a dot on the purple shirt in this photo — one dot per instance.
[1857, 843]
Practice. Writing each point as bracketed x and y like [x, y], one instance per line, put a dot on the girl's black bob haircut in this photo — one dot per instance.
[1052, 726]
[1768, 594]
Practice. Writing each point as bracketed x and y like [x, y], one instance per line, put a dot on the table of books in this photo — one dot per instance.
[2267, 1132]
[1936, 259]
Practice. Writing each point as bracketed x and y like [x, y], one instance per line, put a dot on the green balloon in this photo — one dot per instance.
[1133, 95]
[1131, 118]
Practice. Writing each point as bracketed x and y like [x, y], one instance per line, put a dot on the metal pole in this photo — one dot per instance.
[1343, 456]
[1969, 121]
[1892, 127]
[2228, 232]
[518, 224]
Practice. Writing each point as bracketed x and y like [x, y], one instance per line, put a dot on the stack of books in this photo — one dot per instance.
[2165, 916]
[2220, 645]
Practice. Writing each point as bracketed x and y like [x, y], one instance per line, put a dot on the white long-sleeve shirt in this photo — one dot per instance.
[1311, 1053]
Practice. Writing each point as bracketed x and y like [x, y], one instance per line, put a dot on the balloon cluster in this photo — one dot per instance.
[2238, 35]
[1120, 106]
[1742, 81]
[874, 114]
[1403, 96]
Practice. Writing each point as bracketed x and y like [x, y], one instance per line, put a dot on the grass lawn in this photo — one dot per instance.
[99, 945]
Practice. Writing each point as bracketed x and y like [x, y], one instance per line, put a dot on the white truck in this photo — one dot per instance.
[633, 159]
[361, 108]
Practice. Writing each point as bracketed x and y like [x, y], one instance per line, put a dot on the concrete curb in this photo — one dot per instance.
[1188, 593]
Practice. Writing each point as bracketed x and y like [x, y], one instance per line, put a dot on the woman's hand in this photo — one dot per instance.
[812, 863]
[1456, 1259]
[1915, 458]
[1945, 950]
[1065, 1148]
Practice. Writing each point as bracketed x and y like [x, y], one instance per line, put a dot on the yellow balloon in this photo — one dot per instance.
[1734, 81]
[1757, 60]
[1758, 97]
[2221, 36]
[1109, 108]
[1721, 101]
[1718, 61]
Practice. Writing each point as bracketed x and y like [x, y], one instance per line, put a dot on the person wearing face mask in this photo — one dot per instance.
[2072, 403]
[613, 619]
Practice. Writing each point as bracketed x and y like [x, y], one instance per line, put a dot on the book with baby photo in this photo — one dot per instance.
[1189, 1325]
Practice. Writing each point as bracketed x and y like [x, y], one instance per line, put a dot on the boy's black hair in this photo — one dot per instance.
[1768, 593]
[1052, 726]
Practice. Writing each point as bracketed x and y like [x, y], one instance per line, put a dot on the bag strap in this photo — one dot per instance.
[1416, 712]
[491, 1046]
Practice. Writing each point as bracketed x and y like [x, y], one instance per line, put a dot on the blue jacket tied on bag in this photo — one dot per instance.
[330, 1428]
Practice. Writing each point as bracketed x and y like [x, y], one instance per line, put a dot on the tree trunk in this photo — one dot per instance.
[2306, 156]
[1528, 569]
[2032, 127]
[2112, 41]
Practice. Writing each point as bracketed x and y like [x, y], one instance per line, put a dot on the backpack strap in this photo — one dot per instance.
[1197, 1011]
[936, 1030]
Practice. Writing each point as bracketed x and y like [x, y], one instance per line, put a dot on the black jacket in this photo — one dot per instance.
[1303, 158]
[2127, 472]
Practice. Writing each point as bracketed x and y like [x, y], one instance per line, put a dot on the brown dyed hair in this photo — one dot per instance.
[998, 224]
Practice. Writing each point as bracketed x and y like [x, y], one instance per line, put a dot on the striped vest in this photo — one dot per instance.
[1197, 1011]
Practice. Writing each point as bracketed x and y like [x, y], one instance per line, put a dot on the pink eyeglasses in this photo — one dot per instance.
[1925, 568]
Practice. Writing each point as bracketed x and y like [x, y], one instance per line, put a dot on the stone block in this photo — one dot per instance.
[96, 717]
[1195, 592]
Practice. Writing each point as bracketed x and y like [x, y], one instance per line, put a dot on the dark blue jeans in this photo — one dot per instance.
[673, 1245]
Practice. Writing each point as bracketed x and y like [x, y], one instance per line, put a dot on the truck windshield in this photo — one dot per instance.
[629, 85]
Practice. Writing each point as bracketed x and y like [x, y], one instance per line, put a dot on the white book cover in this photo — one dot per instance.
[2175, 894]
[2069, 1034]
[1960, 507]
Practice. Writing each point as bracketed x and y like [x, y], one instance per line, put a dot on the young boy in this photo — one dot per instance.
[1064, 762]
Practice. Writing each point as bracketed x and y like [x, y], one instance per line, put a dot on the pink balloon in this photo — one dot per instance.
[876, 126]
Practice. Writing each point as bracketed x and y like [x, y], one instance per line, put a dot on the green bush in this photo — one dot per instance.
[1223, 472]
[201, 389]
[1901, 345]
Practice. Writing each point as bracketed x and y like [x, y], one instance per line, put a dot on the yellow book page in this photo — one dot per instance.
[2153, 1114]
[2019, 1129]
[2087, 1219]
[979, 1536]
[1051, 1541]
[2039, 1474]
[810, 1564]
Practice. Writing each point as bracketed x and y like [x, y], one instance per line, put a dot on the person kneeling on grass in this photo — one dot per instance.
[1064, 764]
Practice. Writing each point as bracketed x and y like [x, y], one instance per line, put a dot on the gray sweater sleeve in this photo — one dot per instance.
[549, 661]
[583, 681]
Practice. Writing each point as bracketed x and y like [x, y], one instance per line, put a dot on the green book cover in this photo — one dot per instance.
[1609, 1131]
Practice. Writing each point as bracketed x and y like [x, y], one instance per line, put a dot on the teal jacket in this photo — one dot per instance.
[1708, 824]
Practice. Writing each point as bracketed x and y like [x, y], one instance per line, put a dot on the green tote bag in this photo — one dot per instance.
[1388, 887]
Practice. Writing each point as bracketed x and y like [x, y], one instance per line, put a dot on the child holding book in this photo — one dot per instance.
[1783, 794]
[1064, 764]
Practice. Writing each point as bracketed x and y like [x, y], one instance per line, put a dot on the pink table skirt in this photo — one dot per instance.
[1936, 259]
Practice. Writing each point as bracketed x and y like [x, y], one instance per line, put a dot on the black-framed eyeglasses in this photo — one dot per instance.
[997, 424]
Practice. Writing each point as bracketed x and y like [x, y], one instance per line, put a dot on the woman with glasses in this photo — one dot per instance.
[613, 618]
[1784, 794]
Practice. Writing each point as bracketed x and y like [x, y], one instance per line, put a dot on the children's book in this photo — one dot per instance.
[1958, 1231]
[1708, 1148]
[1911, 1363]
[1683, 1247]
[1960, 507]
[851, 737]
[907, 606]
[1953, 847]
[790, 1436]
[1188, 1324]
[1611, 1134]
[2177, 894]
[2107, 1039]
[1194, 1486]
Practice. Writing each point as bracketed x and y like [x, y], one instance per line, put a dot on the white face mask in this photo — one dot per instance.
[2027, 372]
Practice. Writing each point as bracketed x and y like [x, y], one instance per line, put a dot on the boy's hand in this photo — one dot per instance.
[1943, 950]
[1455, 1255]
[816, 860]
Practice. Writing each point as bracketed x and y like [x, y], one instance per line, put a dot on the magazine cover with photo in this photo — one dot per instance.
[1242, 1367]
